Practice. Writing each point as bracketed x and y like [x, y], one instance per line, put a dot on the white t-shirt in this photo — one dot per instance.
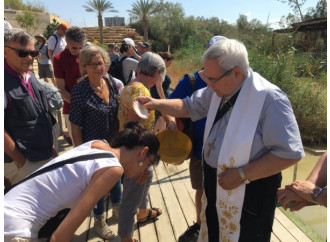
[129, 64]
[28, 206]
[61, 43]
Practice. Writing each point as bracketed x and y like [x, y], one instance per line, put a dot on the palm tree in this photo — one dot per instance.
[141, 10]
[99, 6]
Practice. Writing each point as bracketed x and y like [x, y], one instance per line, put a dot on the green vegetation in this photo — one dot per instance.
[295, 62]
[28, 21]
[51, 28]
[33, 6]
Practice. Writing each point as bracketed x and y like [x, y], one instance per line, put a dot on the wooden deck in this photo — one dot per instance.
[171, 191]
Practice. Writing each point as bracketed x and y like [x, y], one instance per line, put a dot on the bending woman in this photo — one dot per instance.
[78, 186]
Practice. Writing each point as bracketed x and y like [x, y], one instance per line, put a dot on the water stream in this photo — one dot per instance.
[314, 216]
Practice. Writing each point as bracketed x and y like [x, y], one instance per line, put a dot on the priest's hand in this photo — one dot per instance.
[229, 179]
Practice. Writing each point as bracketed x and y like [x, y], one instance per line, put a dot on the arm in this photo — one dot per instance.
[76, 134]
[265, 166]
[50, 54]
[132, 53]
[61, 85]
[102, 181]
[173, 107]
[318, 175]
[12, 150]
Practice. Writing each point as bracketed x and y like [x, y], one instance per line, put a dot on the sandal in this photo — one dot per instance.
[150, 216]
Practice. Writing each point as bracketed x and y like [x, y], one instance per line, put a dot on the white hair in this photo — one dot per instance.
[229, 53]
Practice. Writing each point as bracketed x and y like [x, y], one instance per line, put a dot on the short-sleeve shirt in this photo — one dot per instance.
[28, 206]
[130, 92]
[60, 46]
[43, 60]
[66, 66]
[129, 66]
[96, 119]
[183, 90]
[277, 129]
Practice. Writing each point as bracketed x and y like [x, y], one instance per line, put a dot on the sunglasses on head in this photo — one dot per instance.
[24, 53]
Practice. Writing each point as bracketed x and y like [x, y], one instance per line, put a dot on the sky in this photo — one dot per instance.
[73, 12]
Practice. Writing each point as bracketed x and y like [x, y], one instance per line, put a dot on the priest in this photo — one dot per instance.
[251, 135]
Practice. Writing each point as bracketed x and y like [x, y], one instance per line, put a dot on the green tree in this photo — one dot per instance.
[99, 7]
[51, 28]
[14, 4]
[296, 5]
[141, 11]
[34, 6]
[27, 20]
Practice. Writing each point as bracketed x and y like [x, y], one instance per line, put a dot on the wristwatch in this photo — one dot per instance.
[241, 173]
[316, 192]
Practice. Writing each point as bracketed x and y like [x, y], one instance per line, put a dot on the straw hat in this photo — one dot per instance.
[40, 36]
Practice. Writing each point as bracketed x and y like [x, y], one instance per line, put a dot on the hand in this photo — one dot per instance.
[303, 189]
[287, 198]
[147, 102]
[229, 179]
[172, 126]
[142, 177]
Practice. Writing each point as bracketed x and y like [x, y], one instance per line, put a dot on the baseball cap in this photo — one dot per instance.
[63, 26]
[146, 45]
[215, 39]
[111, 46]
[128, 41]
[140, 43]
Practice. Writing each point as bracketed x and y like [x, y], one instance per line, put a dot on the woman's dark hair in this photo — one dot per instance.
[166, 55]
[135, 135]
[123, 48]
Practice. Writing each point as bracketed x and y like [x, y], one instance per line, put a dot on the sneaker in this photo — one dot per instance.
[102, 229]
[115, 212]
[191, 234]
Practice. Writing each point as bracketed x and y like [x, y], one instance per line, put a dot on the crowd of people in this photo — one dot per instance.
[244, 134]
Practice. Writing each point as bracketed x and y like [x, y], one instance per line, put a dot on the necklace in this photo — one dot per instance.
[97, 89]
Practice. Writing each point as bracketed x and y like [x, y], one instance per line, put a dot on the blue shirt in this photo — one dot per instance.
[183, 90]
[277, 129]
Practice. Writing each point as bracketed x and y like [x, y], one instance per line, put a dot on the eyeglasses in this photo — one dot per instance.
[24, 53]
[213, 81]
[95, 65]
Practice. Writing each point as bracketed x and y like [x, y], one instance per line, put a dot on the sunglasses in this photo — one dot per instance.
[24, 53]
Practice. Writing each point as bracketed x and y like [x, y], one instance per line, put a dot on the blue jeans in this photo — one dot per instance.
[115, 197]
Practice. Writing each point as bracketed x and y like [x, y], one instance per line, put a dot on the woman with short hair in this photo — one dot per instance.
[93, 115]
[151, 69]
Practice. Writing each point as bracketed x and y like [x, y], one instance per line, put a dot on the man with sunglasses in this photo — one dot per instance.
[250, 136]
[28, 140]
[66, 68]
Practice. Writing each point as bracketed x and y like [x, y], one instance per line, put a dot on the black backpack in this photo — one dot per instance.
[116, 70]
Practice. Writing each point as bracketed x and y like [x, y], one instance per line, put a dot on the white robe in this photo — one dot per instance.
[235, 152]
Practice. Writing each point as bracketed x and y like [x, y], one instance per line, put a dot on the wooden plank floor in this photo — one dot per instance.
[171, 191]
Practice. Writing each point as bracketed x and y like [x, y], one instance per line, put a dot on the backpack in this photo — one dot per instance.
[56, 41]
[185, 124]
[116, 70]
[53, 95]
